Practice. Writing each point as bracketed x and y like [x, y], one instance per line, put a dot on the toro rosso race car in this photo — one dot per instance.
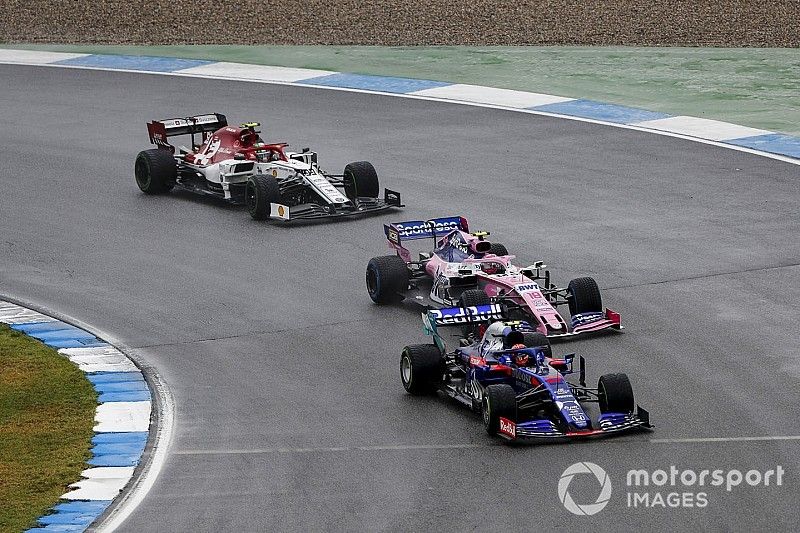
[465, 269]
[236, 165]
[510, 376]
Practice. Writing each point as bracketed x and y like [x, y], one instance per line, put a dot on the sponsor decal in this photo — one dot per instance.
[393, 236]
[523, 288]
[461, 315]
[476, 361]
[423, 229]
[507, 427]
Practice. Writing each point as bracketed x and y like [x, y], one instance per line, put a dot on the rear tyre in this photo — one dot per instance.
[584, 296]
[259, 192]
[498, 401]
[498, 249]
[615, 393]
[538, 340]
[155, 171]
[472, 298]
[421, 368]
[360, 179]
[387, 279]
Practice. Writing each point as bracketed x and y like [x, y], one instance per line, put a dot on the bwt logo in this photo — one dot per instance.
[603, 480]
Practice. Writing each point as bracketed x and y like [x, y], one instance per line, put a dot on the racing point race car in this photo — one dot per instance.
[465, 269]
[234, 164]
[510, 376]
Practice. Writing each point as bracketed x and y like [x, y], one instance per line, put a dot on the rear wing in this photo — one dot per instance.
[160, 130]
[421, 229]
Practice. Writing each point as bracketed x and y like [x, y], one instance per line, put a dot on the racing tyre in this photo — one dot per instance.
[155, 171]
[499, 401]
[421, 368]
[259, 192]
[584, 296]
[360, 179]
[536, 340]
[387, 279]
[472, 298]
[615, 394]
[498, 249]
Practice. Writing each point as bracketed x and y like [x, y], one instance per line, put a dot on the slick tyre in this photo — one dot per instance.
[584, 296]
[155, 171]
[421, 368]
[472, 298]
[499, 401]
[615, 394]
[360, 179]
[498, 249]
[387, 279]
[259, 192]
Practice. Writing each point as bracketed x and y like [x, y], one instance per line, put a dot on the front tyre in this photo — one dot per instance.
[387, 279]
[584, 296]
[155, 171]
[360, 179]
[615, 394]
[421, 368]
[259, 192]
[499, 401]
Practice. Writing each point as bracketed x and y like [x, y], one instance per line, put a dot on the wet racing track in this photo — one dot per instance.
[290, 415]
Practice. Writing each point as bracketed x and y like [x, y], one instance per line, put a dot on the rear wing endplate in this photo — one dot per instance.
[421, 229]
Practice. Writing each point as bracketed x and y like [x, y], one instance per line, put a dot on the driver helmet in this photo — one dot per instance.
[521, 358]
[494, 336]
[492, 267]
[248, 137]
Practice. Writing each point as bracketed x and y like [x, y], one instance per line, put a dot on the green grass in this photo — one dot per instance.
[47, 411]
[754, 87]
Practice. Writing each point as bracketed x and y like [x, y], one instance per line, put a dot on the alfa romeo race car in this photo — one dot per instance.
[510, 376]
[465, 269]
[236, 165]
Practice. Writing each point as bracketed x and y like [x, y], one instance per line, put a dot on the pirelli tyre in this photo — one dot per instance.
[421, 368]
[260, 191]
[615, 394]
[472, 298]
[537, 340]
[360, 179]
[584, 296]
[498, 249]
[155, 171]
[499, 401]
[387, 279]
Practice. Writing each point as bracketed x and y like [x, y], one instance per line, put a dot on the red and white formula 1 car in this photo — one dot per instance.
[236, 165]
[465, 270]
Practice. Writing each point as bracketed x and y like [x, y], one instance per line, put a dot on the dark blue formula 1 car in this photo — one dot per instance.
[507, 372]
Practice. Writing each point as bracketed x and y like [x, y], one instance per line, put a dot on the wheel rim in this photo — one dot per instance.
[602, 397]
[372, 281]
[486, 413]
[405, 369]
[142, 174]
[251, 197]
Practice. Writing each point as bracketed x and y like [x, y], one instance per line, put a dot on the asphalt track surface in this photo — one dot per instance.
[290, 415]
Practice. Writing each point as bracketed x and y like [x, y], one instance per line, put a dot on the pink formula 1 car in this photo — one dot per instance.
[466, 270]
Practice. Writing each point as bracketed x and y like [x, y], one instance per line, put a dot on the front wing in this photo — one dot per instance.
[361, 206]
[611, 424]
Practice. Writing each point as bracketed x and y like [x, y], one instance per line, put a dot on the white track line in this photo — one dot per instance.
[725, 439]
